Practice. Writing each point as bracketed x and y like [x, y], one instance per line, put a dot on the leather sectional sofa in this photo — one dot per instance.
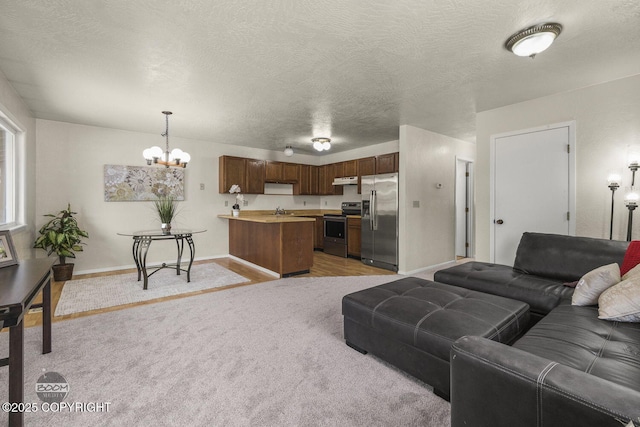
[570, 368]
[565, 368]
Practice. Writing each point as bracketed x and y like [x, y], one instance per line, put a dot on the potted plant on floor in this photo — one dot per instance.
[166, 207]
[62, 236]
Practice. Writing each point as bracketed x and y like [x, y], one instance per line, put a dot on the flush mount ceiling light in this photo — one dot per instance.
[321, 144]
[175, 157]
[533, 40]
[288, 151]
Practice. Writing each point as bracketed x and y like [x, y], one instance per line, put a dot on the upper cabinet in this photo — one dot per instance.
[255, 173]
[231, 170]
[387, 163]
[366, 166]
[251, 174]
[282, 172]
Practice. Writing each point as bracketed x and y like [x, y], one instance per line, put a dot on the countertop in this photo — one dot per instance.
[269, 218]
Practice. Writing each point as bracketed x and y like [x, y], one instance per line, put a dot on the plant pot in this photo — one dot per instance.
[235, 212]
[166, 228]
[62, 272]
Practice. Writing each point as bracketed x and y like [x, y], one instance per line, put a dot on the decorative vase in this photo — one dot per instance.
[235, 212]
[166, 228]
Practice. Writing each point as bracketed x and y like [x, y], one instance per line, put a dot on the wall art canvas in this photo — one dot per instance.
[141, 183]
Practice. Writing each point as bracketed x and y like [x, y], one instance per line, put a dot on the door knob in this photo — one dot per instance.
[499, 221]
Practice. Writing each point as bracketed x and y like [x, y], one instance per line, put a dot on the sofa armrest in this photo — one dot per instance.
[493, 384]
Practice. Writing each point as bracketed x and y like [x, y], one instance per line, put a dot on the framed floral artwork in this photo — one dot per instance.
[7, 251]
[142, 183]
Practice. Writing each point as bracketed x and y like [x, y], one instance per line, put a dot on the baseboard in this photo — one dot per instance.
[431, 267]
[252, 265]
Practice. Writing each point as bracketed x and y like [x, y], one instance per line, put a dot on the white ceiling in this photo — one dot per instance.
[272, 73]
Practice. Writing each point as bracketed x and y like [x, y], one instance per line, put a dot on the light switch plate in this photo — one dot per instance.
[416, 203]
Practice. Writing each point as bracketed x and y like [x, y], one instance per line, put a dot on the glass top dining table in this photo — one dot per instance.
[142, 240]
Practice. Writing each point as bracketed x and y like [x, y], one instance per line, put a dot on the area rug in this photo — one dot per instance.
[268, 354]
[109, 291]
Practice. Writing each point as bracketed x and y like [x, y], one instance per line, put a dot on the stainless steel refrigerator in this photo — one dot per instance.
[380, 220]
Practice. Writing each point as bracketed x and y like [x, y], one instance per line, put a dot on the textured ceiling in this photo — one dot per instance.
[273, 73]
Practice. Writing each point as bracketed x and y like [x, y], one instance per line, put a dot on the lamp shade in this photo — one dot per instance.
[288, 151]
[631, 198]
[614, 179]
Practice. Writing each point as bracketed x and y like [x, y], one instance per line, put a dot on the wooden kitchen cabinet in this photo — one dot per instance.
[333, 171]
[308, 182]
[231, 170]
[255, 170]
[366, 166]
[350, 168]
[290, 172]
[387, 163]
[282, 172]
[318, 235]
[354, 237]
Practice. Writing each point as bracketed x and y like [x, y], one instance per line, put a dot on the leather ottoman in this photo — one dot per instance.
[412, 323]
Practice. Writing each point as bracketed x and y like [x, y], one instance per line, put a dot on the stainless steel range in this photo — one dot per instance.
[335, 229]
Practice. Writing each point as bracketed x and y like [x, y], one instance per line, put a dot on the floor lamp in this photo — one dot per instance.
[614, 184]
[631, 202]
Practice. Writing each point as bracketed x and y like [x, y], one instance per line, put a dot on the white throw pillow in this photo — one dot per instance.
[635, 271]
[621, 302]
[594, 283]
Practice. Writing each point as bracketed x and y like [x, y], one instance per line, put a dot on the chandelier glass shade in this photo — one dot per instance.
[173, 158]
[321, 144]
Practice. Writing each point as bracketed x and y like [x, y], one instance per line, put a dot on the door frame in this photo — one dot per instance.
[470, 199]
[571, 125]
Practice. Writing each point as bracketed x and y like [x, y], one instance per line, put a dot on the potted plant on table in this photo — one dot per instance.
[62, 236]
[167, 208]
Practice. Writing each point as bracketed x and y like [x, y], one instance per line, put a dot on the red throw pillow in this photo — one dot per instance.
[631, 257]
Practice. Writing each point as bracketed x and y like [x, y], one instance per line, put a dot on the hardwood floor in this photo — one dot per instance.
[323, 266]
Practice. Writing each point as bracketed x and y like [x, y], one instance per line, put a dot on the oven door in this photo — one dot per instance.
[335, 235]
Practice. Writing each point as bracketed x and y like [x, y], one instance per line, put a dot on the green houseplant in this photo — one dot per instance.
[167, 208]
[62, 236]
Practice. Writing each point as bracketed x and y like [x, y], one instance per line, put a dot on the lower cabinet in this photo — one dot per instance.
[354, 236]
[318, 235]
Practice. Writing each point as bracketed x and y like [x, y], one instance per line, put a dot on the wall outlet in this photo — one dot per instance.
[416, 203]
[304, 203]
[226, 203]
[325, 203]
[245, 203]
[202, 186]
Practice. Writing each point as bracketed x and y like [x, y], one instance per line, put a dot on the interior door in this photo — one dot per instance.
[532, 187]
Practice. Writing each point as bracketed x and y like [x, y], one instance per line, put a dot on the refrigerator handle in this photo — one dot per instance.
[371, 207]
[374, 210]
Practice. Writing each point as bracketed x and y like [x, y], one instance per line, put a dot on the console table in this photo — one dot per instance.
[142, 240]
[19, 285]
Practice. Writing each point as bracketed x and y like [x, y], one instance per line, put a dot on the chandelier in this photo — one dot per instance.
[176, 157]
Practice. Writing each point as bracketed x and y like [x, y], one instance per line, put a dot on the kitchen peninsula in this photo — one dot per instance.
[280, 243]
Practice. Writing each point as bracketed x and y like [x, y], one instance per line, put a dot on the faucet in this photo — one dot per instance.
[280, 211]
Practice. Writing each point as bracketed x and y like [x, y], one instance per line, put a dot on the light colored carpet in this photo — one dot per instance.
[259, 355]
[109, 291]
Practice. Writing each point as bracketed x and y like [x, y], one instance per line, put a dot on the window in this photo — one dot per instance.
[8, 181]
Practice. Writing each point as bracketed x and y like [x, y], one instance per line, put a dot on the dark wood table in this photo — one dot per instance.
[19, 286]
[142, 240]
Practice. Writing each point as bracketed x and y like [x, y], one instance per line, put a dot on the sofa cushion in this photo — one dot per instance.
[565, 258]
[594, 283]
[541, 294]
[575, 337]
[621, 302]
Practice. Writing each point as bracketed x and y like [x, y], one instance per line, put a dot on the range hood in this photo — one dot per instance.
[347, 180]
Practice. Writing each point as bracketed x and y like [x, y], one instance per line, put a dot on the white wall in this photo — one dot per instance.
[427, 233]
[15, 110]
[607, 120]
[70, 160]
